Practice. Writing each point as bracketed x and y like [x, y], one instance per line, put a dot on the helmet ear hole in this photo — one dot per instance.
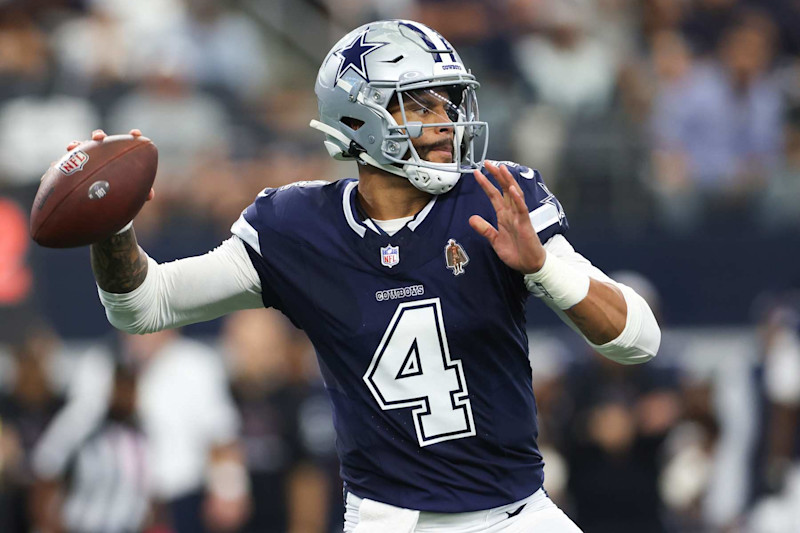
[352, 123]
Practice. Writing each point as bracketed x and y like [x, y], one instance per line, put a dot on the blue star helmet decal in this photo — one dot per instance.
[353, 56]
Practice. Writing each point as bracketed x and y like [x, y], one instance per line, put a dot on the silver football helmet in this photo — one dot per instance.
[386, 64]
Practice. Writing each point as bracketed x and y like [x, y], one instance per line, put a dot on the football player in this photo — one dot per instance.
[411, 282]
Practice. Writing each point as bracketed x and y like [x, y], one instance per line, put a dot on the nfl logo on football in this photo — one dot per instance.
[73, 162]
[390, 255]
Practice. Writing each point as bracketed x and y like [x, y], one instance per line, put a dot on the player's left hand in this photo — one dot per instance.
[514, 240]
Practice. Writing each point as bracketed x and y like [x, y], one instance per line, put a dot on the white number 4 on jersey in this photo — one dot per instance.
[412, 368]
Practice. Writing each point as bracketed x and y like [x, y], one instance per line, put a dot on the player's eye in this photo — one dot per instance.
[452, 113]
[418, 110]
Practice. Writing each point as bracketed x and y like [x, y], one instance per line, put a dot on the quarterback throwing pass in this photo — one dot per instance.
[411, 282]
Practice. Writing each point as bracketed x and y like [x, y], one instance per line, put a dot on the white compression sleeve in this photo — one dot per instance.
[188, 290]
[641, 337]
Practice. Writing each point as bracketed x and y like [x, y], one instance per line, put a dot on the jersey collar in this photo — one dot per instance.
[361, 225]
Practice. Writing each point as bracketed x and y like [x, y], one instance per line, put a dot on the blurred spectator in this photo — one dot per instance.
[225, 49]
[145, 21]
[24, 414]
[93, 477]
[707, 22]
[672, 61]
[478, 30]
[779, 508]
[287, 431]
[92, 51]
[786, 15]
[191, 426]
[567, 67]
[221, 189]
[781, 341]
[661, 15]
[610, 423]
[604, 160]
[550, 357]
[616, 24]
[571, 75]
[717, 127]
[49, 120]
[734, 399]
[24, 61]
[688, 460]
[355, 12]
[620, 417]
[215, 47]
[185, 124]
[672, 65]
[779, 208]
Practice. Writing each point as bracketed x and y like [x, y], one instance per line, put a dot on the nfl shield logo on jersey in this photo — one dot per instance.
[390, 255]
[73, 162]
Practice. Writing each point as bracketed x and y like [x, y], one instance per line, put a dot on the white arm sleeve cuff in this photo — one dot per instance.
[639, 340]
[641, 337]
[186, 291]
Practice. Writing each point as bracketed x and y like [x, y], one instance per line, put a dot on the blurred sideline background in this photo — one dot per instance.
[669, 130]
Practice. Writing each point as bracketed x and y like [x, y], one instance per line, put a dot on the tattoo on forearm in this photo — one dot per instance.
[118, 263]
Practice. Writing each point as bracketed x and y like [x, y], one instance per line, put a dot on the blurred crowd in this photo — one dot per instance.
[162, 433]
[670, 114]
[667, 118]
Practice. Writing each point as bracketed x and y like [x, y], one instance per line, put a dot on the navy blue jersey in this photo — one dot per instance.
[420, 337]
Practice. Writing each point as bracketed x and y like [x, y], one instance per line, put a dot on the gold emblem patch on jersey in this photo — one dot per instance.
[455, 257]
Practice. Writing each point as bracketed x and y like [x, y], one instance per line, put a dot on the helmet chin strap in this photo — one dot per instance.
[336, 151]
[426, 179]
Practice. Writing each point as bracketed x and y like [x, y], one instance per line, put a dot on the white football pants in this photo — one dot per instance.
[534, 514]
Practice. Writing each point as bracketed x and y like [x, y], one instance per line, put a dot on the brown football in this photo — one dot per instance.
[93, 191]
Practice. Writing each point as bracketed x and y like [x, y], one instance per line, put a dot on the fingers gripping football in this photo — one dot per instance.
[99, 135]
[94, 190]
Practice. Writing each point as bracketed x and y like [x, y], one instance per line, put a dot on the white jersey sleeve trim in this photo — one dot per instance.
[245, 231]
[639, 340]
[186, 291]
[544, 216]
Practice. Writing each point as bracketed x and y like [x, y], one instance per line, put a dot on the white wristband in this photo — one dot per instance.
[559, 282]
[128, 226]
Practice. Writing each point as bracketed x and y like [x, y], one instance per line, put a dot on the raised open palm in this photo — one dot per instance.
[514, 240]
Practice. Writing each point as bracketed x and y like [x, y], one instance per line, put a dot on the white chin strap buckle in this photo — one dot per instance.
[430, 180]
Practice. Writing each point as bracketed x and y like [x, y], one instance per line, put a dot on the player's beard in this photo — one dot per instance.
[425, 151]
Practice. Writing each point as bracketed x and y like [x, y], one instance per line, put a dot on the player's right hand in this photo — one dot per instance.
[99, 135]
